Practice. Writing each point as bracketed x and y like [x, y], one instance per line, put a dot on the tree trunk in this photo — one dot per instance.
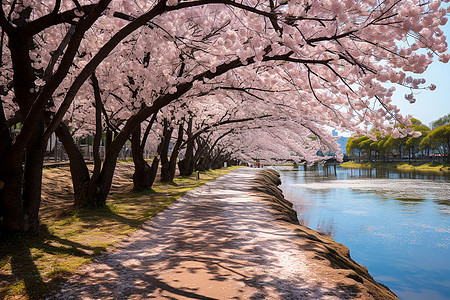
[93, 187]
[5, 137]
[187, 165]
[5, 144]
[143, 177]
[108, 138]
[167, 134]
[11, 159]
[154, 168]
[448, 150]
[11, 174]
[102, 186]
[200, 164]
[32, 182]
[174, 156]
[85, 187]
[78, 167]
[203, 162]
[20, 195]
[217, 161]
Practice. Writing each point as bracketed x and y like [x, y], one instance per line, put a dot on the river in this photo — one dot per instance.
[397, 224]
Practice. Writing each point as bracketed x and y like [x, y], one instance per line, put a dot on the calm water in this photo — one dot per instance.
[396, 224]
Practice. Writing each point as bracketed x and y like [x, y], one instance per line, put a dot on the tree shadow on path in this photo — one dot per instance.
[17, 253]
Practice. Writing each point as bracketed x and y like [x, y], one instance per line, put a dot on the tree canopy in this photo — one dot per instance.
[424, 143]
[441, 121]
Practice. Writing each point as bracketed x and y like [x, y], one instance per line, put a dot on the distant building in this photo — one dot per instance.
[342, 141]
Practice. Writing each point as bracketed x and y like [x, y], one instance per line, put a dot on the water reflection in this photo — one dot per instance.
[327, 228]
[396, 223]
[332, 170]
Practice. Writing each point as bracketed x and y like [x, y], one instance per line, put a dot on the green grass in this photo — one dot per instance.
[402, 166]
[129, 159]
[30, 267]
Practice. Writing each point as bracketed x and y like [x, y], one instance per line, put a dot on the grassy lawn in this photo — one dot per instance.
[413, 166]
[30, 267]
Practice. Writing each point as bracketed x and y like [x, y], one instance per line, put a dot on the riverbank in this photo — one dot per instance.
[333, 255]
[31, 267]
[400, 166]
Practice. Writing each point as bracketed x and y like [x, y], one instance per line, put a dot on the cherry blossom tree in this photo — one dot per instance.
[324, 64]
[22, 29]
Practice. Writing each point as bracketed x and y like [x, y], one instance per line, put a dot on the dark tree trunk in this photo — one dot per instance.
[142, 178]
[154, 168]
[182, 167]
[203, 161]
[32, 184]
[448, 151]
[144, 175]
[103, 185]
[218, 160]
[108, 138]
[5, 144]
[86, 188]
[109, 164]
[174, 156]
[78, 167]
[167, 134]
[5, 137]
[20, 194]
[12, 156]
[208, 160]
[93, 187]
[11, 174]
[200, 158]
[187, 165]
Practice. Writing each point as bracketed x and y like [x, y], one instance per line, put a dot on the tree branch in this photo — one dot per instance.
[52, 19]
[326, 38]
[57, 54]
[97, 137]
[209, 127]
[56, 8]
[4, 23]
[53, 83]
[147, 130]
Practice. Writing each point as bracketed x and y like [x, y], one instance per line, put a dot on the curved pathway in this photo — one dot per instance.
[216, 242]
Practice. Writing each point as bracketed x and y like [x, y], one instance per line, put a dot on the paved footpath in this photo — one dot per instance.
[217, 242]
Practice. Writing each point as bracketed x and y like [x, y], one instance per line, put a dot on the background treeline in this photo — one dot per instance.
[433, 144]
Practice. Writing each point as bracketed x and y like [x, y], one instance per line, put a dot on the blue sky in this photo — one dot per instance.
[430, 105]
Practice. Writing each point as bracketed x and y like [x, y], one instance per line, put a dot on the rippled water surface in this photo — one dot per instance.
[396, 224]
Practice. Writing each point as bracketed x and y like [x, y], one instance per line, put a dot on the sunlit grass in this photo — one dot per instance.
[413, 166]
[31, 266]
